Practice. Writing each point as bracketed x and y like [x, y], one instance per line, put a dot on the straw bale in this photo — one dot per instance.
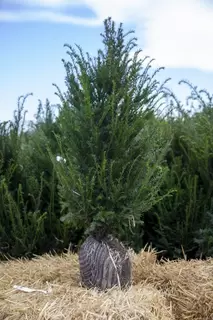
[170, 290]
[187, 285]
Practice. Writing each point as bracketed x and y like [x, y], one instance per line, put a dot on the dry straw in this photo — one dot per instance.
[170, 290]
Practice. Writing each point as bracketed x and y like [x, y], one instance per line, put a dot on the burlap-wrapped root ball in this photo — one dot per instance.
[104, 264]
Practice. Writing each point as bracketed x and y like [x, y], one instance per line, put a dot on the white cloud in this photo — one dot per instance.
[177, 33]
[40, 3]
[180, 33]
[48, 16]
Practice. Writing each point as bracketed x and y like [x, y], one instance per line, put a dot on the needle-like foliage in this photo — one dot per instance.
[112, 143]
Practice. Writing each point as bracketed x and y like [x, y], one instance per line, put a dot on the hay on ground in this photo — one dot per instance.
[172, 290]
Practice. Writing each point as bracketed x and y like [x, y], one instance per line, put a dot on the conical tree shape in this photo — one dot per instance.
[113, 149]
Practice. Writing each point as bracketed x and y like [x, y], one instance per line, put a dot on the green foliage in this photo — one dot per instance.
[29, 207]
[184, 220]
[112, 142]
[126, 169]
[20, 230]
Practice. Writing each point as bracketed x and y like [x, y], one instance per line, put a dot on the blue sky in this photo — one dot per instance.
[178, 34]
